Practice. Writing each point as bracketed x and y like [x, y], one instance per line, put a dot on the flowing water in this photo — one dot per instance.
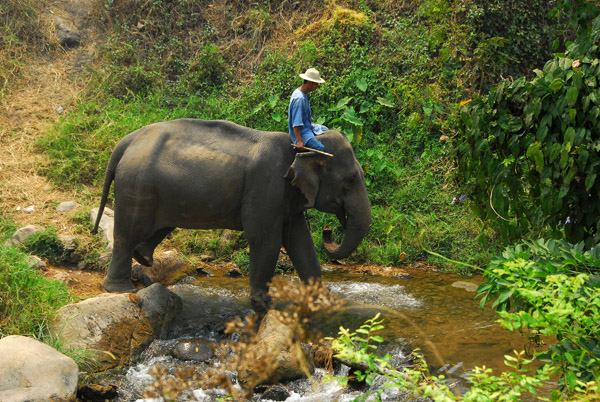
[427, 310]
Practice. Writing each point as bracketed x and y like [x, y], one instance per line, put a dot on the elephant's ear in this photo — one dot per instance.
[306, 173]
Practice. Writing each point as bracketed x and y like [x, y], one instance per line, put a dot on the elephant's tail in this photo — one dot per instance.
[111, 169]
[108, 179]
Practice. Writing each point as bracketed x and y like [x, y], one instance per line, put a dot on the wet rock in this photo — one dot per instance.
[202, 272]
[284, 360]
[107, 227]
[21, 235]
[468, 286]
[234, 273]
[166, 269]
[114, 327]
[96, 393]
[159, 306]
[392, 394]
[196, 350]
[66, 206]
[276, 393]
[35, 372]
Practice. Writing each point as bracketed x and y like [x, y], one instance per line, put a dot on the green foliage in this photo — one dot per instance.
[553, 288]
[359, 348]
[27, 300]
[528, 152]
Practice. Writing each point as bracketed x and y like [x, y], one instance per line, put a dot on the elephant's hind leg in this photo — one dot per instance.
[118, 275]
[144, 251]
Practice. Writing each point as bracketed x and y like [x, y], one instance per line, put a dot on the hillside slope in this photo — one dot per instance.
[48, 86]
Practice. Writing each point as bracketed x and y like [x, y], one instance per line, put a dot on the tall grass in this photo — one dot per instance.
[27, 300]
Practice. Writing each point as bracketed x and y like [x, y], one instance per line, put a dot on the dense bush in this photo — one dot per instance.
[528, 152]
[551, 288]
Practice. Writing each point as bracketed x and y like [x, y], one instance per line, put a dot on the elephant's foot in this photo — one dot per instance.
[260, 302]
[143, 255]
[118, 286]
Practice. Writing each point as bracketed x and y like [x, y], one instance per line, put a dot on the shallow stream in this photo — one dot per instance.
[435, 312]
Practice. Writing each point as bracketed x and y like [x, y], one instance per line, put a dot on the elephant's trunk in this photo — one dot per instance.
[356, 228]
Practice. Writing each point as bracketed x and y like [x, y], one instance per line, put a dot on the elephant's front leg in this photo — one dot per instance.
[301, 249]
[263, 259]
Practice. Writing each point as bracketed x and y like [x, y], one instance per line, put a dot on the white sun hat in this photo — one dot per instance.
[313, 75]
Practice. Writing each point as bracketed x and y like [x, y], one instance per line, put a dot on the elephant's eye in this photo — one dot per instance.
[349, 181]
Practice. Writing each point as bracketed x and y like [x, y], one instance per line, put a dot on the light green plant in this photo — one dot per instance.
[359, 348]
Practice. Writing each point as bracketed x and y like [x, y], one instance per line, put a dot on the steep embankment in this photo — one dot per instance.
[47, 88]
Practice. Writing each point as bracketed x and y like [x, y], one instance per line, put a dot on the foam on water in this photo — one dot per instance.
[363, 293]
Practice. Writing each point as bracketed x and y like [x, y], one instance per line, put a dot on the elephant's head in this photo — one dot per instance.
[335, 185]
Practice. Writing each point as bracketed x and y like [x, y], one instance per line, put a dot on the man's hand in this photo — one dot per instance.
[299, 143]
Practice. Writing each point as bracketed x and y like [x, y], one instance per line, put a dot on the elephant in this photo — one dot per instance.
[215, 174]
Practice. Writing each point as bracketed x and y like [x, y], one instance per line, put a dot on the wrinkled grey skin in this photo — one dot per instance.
[215, 174]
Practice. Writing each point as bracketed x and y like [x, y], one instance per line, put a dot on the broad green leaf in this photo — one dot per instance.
[427, 109]
[534, 152]
[273, 100]
[385, 102]
[351, 117]
[276, 116]
[557, 84]
[572, 95]
[569, 137]
[349, 134]
[361, 84]
[571, 379]
[589, 181]
[365, 107]
[341, 104]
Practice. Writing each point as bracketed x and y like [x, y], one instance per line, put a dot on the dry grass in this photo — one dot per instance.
[49, 77]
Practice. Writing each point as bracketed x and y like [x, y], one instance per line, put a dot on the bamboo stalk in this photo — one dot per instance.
[314, 150]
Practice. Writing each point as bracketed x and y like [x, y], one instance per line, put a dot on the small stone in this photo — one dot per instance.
[29, 209]
[66, 206]
[197, 350]
[468, 286]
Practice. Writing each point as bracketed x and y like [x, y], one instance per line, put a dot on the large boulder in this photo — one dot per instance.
[283, 358]
[115, 327]
[33, 371]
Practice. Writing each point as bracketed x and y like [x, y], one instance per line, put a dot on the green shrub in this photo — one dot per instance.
[46, 244]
